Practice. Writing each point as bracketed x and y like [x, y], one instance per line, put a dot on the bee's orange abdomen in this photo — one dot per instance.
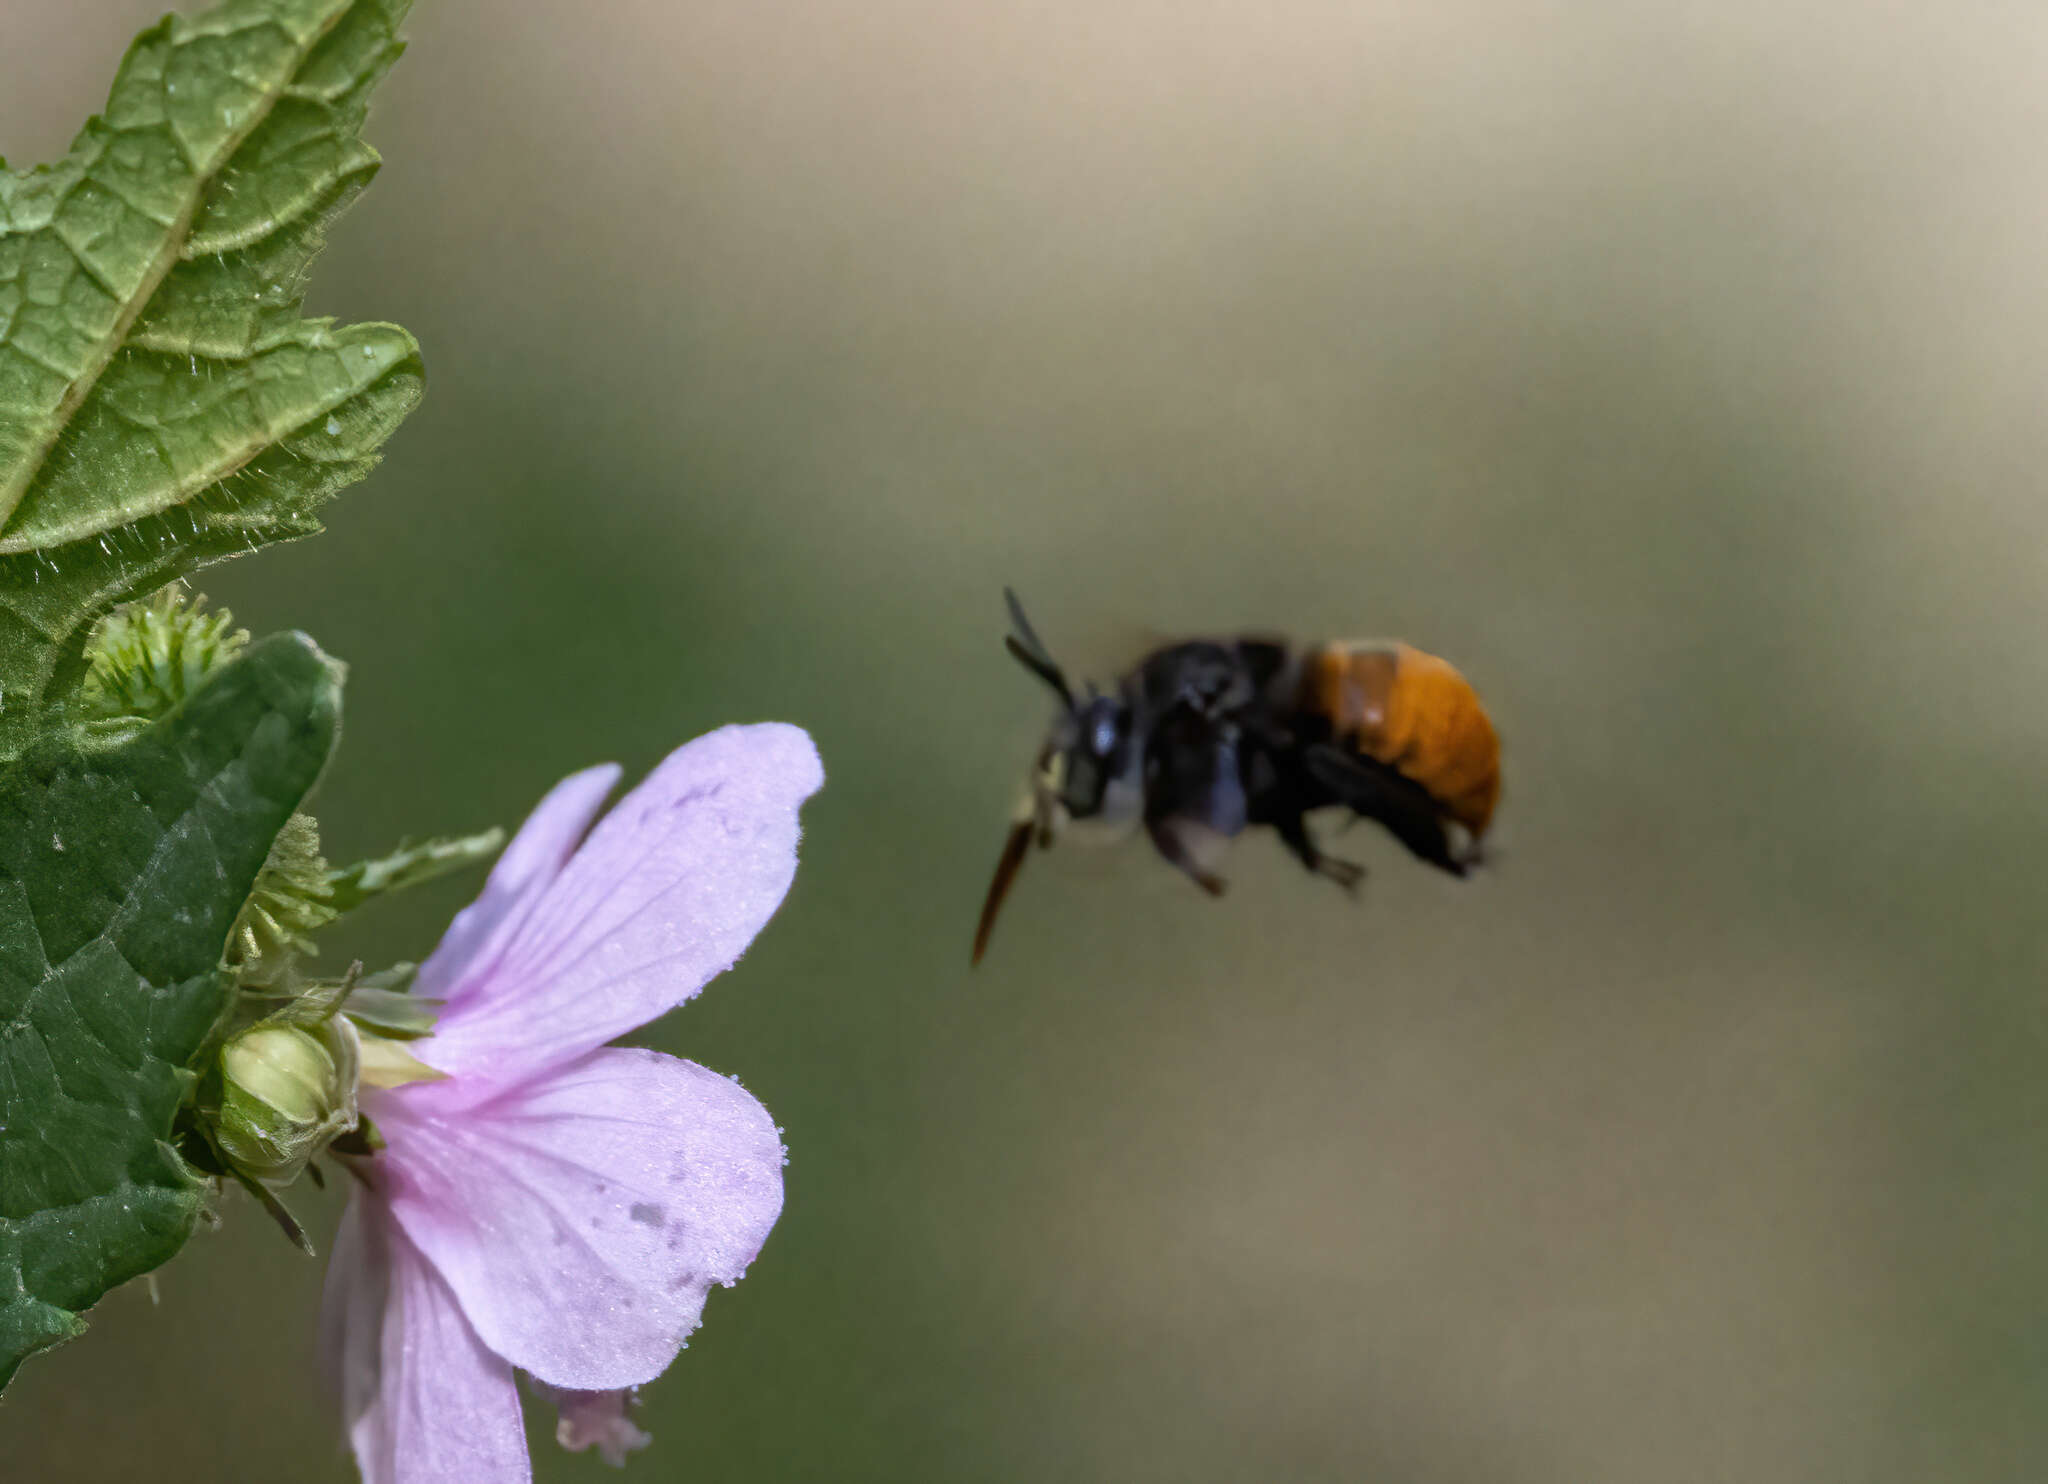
[1415, 713]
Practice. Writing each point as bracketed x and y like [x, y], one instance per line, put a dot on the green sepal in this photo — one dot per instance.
[300, 1001]
[413, 862]
[392, 1013]
[389, 1063]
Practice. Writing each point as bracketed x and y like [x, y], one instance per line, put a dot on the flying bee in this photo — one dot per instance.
[1205, 738]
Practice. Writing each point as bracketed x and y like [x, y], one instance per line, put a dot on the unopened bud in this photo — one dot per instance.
[286, 1090]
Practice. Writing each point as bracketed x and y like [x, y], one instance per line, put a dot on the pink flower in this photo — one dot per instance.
[556, 1206]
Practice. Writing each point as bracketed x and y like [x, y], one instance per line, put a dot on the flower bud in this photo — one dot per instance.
[286, 1090]
[145, 658]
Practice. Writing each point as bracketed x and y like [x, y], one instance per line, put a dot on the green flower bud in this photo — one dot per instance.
[145, 658]
[286, 1091]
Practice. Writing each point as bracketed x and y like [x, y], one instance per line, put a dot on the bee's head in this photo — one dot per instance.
[1089, 768]
[1090, 772]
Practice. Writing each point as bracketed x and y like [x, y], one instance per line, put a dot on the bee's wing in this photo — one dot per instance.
[1372, 789]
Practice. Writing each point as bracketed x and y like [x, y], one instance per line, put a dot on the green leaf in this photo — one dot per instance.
[121, 871]
[413, 862]
[162, 403]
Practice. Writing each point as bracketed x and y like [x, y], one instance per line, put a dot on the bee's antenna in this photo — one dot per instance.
[1023, 624]
[1030, 651]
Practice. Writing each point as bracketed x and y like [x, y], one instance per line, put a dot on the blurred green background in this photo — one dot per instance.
[1676, 369]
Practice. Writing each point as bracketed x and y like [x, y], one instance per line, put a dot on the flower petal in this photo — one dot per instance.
[581, 1219]
[352, 1313]
[525, 869]
[424, 1401]
[667, 891]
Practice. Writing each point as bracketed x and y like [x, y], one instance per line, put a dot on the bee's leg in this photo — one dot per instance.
[1294, 831]
[1181, 840]
[1470, 852]
[1195, 799]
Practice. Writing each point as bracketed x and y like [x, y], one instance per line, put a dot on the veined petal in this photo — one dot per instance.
[524, 870]
[352, 1313]
[425, 1402]
[582, 1218]
[666, 892]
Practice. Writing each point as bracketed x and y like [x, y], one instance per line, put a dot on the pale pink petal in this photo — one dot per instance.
[666, 892]
[424, 1401]
[525, 870]
[582, 1218]
[352, 1312]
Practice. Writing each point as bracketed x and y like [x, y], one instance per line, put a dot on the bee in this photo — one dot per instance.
[1206, 738]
